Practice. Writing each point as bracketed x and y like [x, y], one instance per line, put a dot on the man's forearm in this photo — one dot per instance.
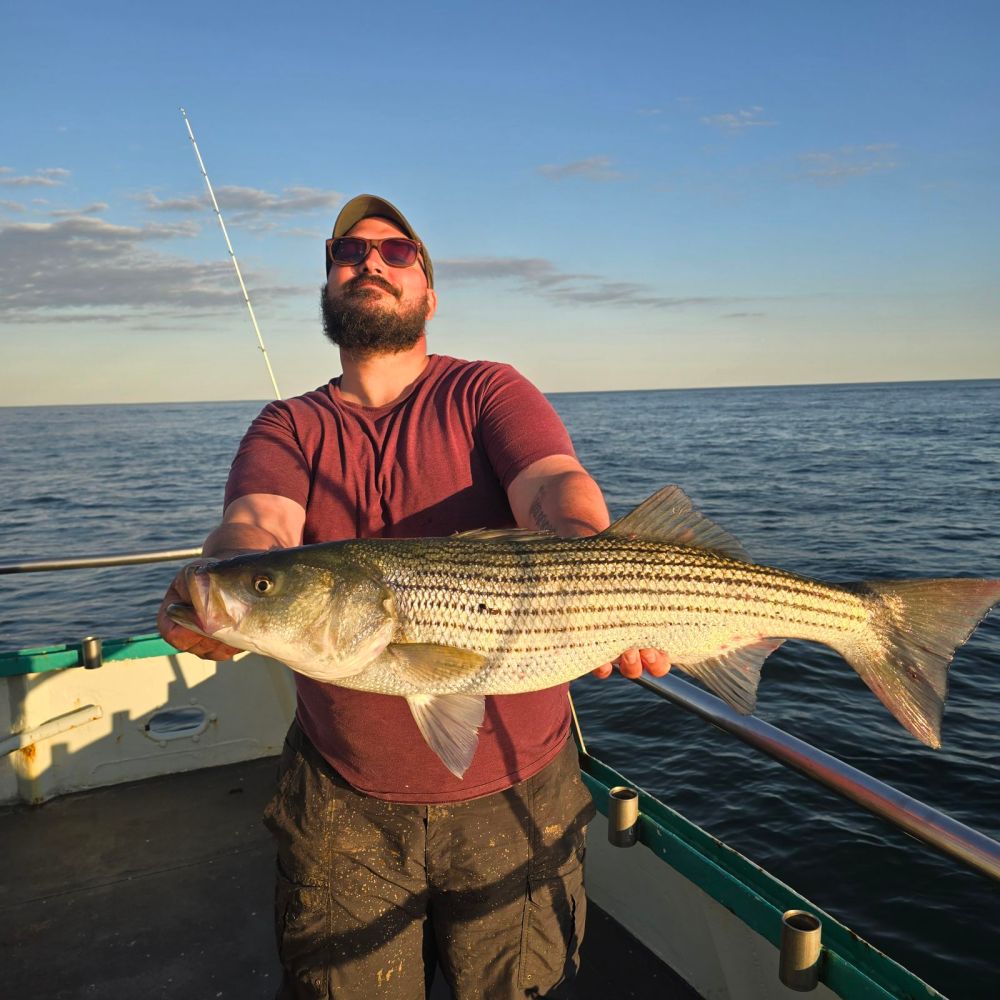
[232, 538]
[569, 504]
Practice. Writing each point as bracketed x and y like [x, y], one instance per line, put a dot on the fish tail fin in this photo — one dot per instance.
[916, 626]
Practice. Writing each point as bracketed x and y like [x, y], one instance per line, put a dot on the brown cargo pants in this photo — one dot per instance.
[372, 894]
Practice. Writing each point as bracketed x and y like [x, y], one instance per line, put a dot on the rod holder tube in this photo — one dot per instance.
[801, 945]
[623, 816]
[91, 652]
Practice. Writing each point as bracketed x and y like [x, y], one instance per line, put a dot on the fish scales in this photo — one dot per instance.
[548, 610]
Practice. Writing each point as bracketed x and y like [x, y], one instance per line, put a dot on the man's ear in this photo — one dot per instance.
[432, 301]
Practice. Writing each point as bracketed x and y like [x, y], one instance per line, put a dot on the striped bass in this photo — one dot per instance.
[443, 622]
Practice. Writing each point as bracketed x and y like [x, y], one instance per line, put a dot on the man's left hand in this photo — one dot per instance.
[633, 661]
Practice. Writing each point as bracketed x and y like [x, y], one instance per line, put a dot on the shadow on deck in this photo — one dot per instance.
[162, 889]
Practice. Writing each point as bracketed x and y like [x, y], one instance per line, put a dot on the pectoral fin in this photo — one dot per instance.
[427, 662]
[450, 725]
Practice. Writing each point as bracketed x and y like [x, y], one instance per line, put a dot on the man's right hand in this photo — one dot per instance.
[251, 523]
[183, 638]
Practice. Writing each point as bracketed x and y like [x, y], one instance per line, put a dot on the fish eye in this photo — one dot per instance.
[262, 583]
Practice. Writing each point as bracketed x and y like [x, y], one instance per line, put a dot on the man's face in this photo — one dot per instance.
[371, 308]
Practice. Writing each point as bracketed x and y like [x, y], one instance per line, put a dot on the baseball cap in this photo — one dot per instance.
[365, 205]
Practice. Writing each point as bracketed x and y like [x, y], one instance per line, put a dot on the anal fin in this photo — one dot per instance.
[450, 725]
[734, 675]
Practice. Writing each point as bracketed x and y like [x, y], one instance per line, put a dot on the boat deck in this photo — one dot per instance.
[162, 889]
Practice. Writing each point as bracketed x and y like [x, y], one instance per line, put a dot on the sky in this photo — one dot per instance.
[615, 196]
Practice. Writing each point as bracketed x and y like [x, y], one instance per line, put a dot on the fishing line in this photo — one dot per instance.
[232, 255]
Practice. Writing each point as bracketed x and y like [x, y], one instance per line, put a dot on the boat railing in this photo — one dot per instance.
[904, 812]
[92, 562]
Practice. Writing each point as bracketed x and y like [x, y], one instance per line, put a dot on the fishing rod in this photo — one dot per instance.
[232, 255]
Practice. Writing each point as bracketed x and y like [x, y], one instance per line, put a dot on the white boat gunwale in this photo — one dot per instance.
[851, 967]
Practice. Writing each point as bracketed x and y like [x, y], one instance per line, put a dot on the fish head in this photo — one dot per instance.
[323, 617]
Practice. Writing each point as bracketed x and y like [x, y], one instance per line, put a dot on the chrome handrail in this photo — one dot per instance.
[89, 562]
[911, 815]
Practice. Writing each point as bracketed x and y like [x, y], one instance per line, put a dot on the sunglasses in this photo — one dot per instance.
[396, 251]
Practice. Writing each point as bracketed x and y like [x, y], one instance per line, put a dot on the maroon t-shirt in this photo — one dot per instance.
[436, 462]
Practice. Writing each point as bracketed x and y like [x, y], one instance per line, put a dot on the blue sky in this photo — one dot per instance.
[648, 195]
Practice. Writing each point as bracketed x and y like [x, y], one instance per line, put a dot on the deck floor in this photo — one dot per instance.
[162, 889]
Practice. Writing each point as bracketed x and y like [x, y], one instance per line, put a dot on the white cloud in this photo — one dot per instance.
[80, 267]
[249, 206]
[94, 208]
[594, 168]
[541, 277]
[847, 162]
[45, 177]
[12, 206]
[737, 121]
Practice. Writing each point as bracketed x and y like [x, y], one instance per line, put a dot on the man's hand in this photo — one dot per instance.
[183, 638]
[252, 523]
[633, 661]
[556, 494]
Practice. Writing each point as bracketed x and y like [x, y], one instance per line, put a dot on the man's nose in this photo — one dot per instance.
[371, 262]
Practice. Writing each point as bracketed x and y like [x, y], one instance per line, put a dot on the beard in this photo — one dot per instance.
[354, 323]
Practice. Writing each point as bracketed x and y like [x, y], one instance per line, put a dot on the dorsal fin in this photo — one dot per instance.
[668, 516]
[503, 535]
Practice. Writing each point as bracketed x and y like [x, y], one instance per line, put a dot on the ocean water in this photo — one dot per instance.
[838, 482]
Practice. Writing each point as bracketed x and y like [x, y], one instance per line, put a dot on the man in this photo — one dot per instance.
[388, 863]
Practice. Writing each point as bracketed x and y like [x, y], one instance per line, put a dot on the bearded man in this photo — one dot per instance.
[388, 864]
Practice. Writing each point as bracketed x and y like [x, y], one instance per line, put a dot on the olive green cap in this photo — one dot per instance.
[364, 206]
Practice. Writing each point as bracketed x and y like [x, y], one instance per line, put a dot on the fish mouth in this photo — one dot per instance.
[185, 614]
[208, 612]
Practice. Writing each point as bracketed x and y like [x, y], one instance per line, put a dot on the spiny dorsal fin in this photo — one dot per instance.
[427, 662]
[668, 516]
[503, 535]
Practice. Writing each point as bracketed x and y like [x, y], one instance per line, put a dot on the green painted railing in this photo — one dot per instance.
[851, 967]
[45, 658]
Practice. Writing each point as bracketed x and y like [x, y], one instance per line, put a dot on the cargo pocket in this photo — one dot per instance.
[551, 931]
[301, 915]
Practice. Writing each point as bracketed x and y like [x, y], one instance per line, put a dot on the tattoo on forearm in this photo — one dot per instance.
[537, 513]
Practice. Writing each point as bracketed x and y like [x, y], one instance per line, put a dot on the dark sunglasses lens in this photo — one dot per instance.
[399, 253]
[348, 250]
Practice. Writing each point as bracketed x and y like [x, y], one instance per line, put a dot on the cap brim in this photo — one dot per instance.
[366, 205]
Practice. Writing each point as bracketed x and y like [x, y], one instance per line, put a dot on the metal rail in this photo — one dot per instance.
[89, 562]
[912, 816]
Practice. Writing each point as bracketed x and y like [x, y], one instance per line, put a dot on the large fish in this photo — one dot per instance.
[444, 621]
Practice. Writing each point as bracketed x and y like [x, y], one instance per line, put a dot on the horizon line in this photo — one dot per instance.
[559, 392]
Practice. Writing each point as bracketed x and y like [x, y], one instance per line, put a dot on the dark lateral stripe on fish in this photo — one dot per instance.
[469, 603]
[729, 575]
[517, 627]
[552, 584]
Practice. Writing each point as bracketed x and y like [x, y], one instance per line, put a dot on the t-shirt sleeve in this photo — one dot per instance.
[518, 425]
[270, 459]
